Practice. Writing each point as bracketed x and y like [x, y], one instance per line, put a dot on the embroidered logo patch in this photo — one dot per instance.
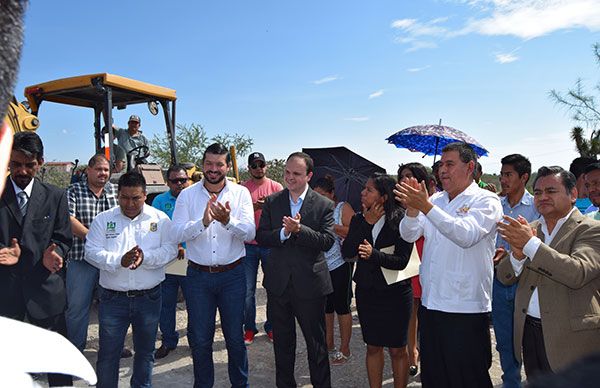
[463, 210]
[111, 226]
[153, 226]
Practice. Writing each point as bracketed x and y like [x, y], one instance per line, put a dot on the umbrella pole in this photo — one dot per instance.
[437, 141]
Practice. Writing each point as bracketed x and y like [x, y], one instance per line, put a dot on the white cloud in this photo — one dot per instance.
[376, 94]
[324, 80]
[417, 69]
[525, 19]
[357, 119]
[64, 131]
[506, 58]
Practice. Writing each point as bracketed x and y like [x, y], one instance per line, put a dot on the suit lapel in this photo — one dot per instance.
[566, 228]
[10, 198]
[36, 200]
[308, 199]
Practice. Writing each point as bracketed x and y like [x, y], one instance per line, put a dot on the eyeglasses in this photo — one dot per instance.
[257, 165]
[179, 180]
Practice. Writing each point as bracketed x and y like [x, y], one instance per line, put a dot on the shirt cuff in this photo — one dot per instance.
[532, 246]
[435, 215]
[517, 265]
[282, 235]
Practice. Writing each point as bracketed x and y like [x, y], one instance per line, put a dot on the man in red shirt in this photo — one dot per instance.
[260, 187]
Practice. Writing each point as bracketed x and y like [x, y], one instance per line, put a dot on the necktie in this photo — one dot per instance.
[23, 202]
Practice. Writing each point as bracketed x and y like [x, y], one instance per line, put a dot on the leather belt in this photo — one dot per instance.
[533, 321]
[215, 268]
[134, 293]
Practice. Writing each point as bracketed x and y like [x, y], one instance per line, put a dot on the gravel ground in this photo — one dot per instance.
[175, 370]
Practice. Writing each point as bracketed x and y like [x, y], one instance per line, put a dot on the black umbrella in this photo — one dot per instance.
[349, 170]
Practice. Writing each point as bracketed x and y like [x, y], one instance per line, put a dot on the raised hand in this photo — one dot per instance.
[10, 255]
[130, 257]
[52, 260]
[220, 212]
[365, 250]
[517, 233]
[291, 224]
[207, 218]
[374, 213]
[413, 195]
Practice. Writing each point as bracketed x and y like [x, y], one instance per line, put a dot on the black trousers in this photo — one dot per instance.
[456, 349]
[534, 350]
[310, 313]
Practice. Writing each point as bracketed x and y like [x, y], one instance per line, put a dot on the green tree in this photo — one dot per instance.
[190, 143]
[577, 100]
[584, 107]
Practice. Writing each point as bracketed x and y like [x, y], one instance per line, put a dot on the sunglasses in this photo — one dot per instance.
[257, 165]
[179, 180]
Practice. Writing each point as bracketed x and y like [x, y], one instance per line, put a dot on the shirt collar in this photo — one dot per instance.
[526, 199]
[301, 197]
[559, 223]
[27, 189]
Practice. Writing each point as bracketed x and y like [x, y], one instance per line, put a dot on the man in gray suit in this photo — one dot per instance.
[297, 224]
[556, 261]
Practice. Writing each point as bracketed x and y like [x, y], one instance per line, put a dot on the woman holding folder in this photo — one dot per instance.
[383, 297]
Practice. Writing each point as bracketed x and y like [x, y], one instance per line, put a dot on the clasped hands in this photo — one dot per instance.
[517, 233]
[291, 224]
[133, 258]
[216, 211]
[413, 196]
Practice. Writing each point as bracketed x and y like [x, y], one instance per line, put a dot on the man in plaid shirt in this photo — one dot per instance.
[87, 198]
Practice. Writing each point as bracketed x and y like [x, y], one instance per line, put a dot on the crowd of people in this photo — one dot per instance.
[530, 262]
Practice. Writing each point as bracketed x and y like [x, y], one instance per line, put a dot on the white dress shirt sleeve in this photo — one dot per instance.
[466, 231]
[185, 226]
[96, 252]
[166, 252]
[241, 223]
[411, 228]
[532, 246]
[517, 265]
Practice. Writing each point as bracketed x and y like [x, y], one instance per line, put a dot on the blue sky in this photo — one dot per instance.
[326, 73]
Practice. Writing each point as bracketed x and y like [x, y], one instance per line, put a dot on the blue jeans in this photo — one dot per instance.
[115, 314]
[170, 286]
[209, 291]
[503, 306]
[254, 254]
[82, 279]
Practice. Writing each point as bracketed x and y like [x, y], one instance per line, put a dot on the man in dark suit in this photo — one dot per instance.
[297, 224]
[34, 238]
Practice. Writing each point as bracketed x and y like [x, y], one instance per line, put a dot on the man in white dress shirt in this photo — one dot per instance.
[130, 245]
[459, 226]
[214, 217]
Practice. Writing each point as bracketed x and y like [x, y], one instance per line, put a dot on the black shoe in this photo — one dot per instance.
[413, 370]
[126, 353]
[162, 352]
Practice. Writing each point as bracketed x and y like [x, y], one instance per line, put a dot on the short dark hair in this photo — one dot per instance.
[217, 149]
[327, 183]
[97, 159]
[29, 143]
[417, 169]
[465, 151]
[310, 165]
[592, 167]
[579, 164]
[520, 163]
[567, 178]
[132, 179]
[175, 168]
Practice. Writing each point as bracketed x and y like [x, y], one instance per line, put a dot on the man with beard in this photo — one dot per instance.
[260, 187]
[34, 238]
[177, 180]
[87, 198]
[214, 217]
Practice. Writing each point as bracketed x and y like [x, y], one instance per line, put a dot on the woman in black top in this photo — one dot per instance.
[384, 310]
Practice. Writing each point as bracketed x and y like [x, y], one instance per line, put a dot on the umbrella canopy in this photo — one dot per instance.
[431, 139]
[349, 170]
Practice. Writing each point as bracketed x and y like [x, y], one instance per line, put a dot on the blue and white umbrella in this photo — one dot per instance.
[431, 139]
